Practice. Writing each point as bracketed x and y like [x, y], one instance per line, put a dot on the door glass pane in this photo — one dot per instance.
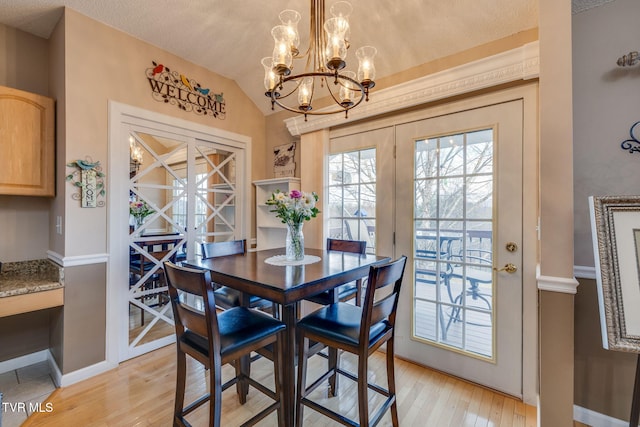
[453, 228]
[352, 196]
[215, 195]
[157, 195]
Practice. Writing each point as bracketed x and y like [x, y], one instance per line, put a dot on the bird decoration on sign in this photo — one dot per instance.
[158, 69]
[185, 82]
[175, 88]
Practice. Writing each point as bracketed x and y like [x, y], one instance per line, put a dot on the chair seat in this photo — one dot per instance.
[239, 327]
[344, 292]
[227, 297]
[341, 322]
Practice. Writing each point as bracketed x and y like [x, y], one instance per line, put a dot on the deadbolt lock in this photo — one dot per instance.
[512, 246]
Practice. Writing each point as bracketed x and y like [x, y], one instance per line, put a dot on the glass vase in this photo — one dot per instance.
[138, 222]
[294, 243]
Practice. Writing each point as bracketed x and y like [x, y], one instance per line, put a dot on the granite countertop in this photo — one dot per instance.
[24, 277]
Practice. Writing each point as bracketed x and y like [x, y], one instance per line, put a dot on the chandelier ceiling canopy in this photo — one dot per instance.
[324, 73]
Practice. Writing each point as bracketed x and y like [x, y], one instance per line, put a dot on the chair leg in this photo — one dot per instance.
[180, 385]
[277, 375]
[363, 395]
[242, 366]
[303, 351]
[215, 399]
[391, 382]
[333, 365]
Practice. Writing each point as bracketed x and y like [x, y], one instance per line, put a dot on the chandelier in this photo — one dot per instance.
[324, 73]
[135, 152]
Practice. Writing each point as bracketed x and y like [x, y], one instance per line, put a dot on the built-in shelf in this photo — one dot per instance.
[270, 232]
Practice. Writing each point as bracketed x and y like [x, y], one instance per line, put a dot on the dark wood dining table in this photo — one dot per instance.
[287, 286]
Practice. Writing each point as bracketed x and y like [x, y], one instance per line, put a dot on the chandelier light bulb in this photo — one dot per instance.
[336, 46]
[347, 88]
[305, 94]
[366, 67]
[282, 58]
[290, 19]
[270, 78]
[342, 10]
[135, 152]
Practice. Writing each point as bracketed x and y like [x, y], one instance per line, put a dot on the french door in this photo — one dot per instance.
[459, 220]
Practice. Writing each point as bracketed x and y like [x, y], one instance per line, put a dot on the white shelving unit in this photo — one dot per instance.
[227, 210]
[270, 232]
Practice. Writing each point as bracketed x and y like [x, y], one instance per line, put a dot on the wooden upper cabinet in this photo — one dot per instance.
[27, 149]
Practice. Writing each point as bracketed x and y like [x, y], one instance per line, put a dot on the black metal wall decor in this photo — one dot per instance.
[628, 144]
[174, 88]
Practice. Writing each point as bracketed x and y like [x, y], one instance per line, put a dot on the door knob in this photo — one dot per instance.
[509, 268]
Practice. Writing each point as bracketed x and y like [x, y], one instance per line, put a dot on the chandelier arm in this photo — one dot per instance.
[323, 75]
[275, 95]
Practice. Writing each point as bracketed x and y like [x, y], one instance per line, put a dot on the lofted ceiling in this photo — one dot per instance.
[231, 37]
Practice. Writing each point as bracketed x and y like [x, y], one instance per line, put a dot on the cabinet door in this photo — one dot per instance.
[26, 143]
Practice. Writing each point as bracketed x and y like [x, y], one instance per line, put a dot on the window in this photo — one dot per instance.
[352, 196]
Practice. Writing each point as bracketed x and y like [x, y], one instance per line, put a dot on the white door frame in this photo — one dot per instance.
[120, 117]
[529, 94]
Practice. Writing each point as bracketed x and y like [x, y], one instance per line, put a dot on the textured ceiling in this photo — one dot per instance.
[231, 37]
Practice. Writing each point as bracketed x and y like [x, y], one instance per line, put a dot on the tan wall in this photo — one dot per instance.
[24, 221]
[57, 86]
[606, 104]
[603, 379]
[84, 317]
[556, 214]
[103, 64]
[99, 65]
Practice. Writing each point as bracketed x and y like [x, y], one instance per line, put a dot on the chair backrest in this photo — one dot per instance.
[374, 309]
[354, 246]
[217, 249]
[188, 318]
[151, 255]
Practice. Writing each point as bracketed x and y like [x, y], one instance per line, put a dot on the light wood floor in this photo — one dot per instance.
[140, 392]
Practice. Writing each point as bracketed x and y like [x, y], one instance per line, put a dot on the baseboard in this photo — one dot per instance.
[56, 375]
[85, 373]
[596, 419]
[22, 361]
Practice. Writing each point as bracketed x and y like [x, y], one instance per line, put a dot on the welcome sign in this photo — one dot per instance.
[172, 87]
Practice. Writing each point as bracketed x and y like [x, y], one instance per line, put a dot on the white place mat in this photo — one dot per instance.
[282, 260]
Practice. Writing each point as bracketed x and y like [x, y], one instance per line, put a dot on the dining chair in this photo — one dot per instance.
[145, 265]
[356, 330]
[217, 339]
[226, 297]
[349, 290]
